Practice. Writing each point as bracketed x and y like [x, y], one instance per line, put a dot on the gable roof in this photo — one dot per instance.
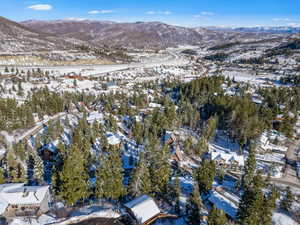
[112, 139]
[19, 194]
[143, 208]
[228, 157]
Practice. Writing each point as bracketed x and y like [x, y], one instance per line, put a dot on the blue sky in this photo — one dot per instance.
[179, 12]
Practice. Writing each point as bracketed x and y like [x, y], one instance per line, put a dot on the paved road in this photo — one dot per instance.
[290, 175]
[34, 130]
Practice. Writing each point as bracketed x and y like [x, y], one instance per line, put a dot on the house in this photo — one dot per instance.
[265, 145]
[263, 140]
[113, 139]
[95, 116]
[225, 201]
[228, 160]
[143, 209]
[16, 199]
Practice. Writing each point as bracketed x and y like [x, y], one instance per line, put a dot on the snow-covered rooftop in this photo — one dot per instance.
[143, 208]
[228, 158]
[19, 194]
[112, 139]
[223, 203]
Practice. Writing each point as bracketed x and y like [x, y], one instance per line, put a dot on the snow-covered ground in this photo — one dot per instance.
[81, 215]
[282, 219]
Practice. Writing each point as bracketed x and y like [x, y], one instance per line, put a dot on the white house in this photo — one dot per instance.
[232, 159]
[16, 199]
[265, 145]
[143, 209]
[113, 139]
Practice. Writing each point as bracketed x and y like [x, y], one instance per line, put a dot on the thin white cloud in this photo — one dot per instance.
[167, 12]
[151, 12]
[74, 19]
[159, 12]
[40, 7]
[281, 19]
[205, 13]
[293, 24]
[103, 11]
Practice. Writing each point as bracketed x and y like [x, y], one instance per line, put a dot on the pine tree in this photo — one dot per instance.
[74, 177]
[252, 203]
[2, 177]
[110, 176]
[20, 174]
[201, 146]
[205, 175]
[38, 171]
[194, 206]
[211, 128]
[268, 206]
[188, 146]
[12, 165]
[288, 199]
[249, 170]
[104, 142]
[216, 217]
[177, 190]
[141, 180]
[160, 169]
[56, 181]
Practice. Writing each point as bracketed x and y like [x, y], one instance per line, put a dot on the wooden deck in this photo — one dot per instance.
[159, 216]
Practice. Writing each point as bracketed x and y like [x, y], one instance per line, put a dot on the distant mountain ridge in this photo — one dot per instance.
[15, 37]
[262, 29]
[133, 35]
[37, 35]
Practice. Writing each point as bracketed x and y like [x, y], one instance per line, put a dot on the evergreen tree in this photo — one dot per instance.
[252, 203]
[249, 169]
[103, 141]
[177, 190]
[188, 146]
[19, 174]
[194, 206]
[217, 217]
[201, 146]
[110, 176]
[141, 180]
[205, 175]
[2, 177]
[288, 199]
[160, 169]
[211, 128]
[268, 206]
[74, 177]
[56, 181]
[38, 172]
